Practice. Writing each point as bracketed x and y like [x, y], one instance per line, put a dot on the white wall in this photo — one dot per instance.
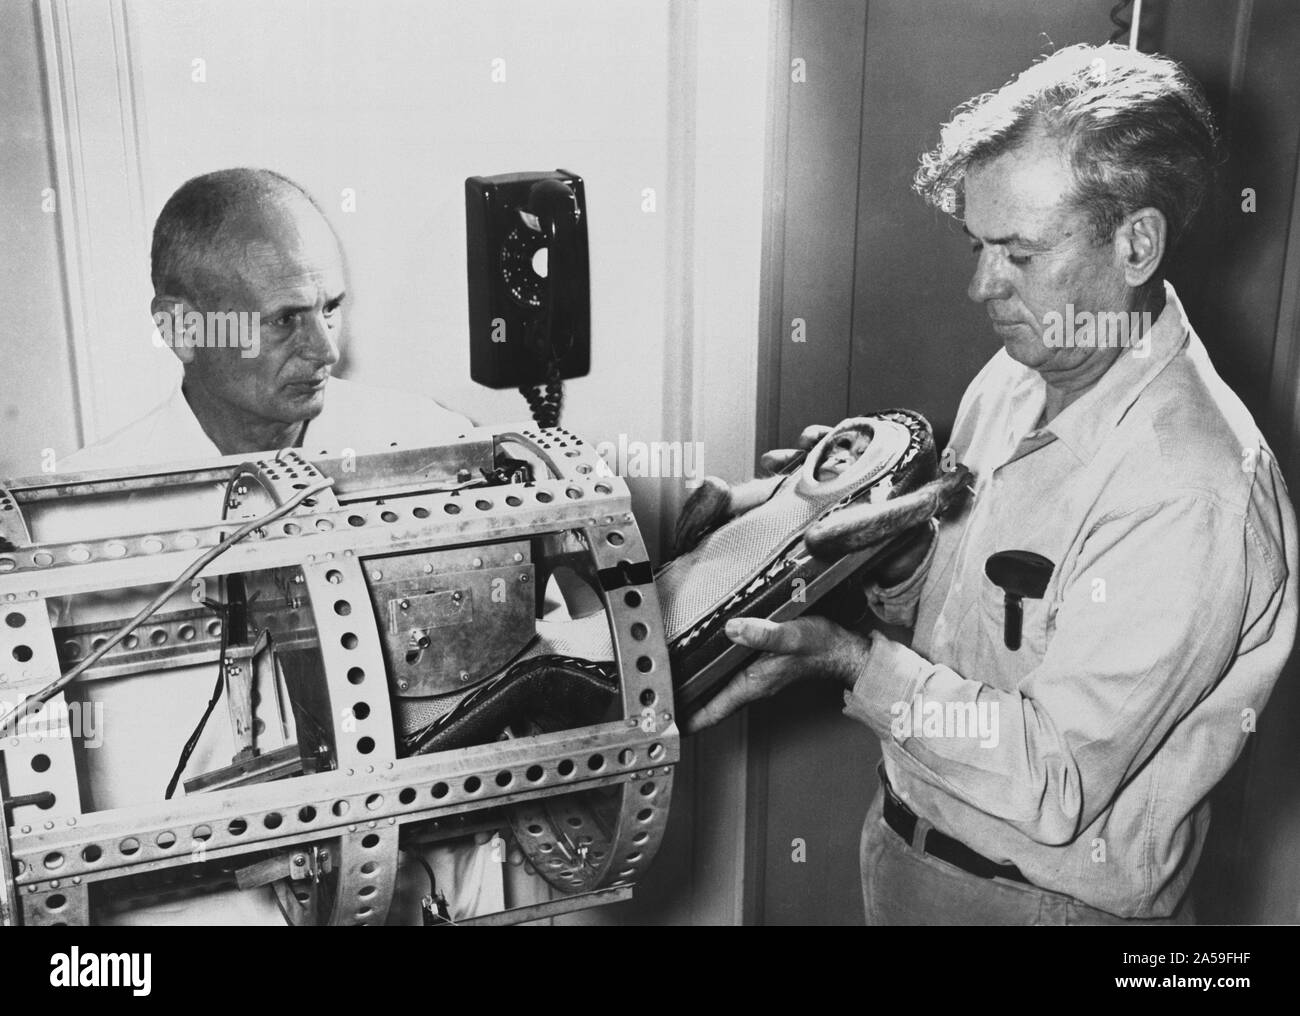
[35, 374]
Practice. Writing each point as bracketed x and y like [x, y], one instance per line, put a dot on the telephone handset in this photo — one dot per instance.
[529, 287]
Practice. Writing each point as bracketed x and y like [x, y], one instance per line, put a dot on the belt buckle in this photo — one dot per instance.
[889, 789]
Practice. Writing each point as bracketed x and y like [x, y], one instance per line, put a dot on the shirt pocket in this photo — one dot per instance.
[1034, 625]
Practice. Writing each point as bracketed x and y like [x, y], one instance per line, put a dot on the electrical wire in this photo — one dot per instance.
[433, 908]
[428, 869]
[152, 607]
[1126, 31]
[188, 748]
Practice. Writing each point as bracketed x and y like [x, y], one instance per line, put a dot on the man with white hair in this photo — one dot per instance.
[1120, 597]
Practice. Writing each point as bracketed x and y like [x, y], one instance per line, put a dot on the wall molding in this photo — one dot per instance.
[96, 132]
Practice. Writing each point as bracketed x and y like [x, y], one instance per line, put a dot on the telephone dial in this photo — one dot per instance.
[529, 286]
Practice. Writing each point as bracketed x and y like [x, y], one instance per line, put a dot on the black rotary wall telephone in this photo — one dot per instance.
[529, 288]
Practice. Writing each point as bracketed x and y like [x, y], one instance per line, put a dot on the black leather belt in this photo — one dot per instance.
[900, 818]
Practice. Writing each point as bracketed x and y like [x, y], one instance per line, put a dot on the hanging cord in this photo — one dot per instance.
[434, 911]
[1126, 30]
[546, 404]
[223, 611]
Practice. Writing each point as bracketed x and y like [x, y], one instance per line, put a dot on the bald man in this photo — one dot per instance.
[252, 242]
[250, 246]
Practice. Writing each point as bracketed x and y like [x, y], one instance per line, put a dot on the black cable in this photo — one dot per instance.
[434, 911]
[546, 402]
[192, 743]
[428, 870]
[1122, 27]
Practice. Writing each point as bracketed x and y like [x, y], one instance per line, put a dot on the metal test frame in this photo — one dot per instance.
[328, 839]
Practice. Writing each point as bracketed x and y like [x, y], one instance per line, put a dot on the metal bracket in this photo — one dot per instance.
[297, 865]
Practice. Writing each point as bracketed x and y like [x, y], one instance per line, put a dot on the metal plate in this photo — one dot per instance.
[453, 618]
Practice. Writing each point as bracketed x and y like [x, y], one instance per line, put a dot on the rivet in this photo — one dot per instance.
[27, 828]
[402, 685]
[351, 772]
[352, 828]
[49, 825]
[518, 557]
[478, 563]
[428, 569]
[370, 769]
[405, 605]
[76, 880]
[376, 575]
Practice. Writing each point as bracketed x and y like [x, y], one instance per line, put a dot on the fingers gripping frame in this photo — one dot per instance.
[615, 777]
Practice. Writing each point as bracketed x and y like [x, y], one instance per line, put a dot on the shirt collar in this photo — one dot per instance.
[1083, 426]
[181, 429]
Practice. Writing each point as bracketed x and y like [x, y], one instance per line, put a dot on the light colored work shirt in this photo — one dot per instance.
[355, 415]
[1086, 756]
[144, 730]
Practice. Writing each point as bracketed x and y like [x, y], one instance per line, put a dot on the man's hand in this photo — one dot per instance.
[794, 650]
